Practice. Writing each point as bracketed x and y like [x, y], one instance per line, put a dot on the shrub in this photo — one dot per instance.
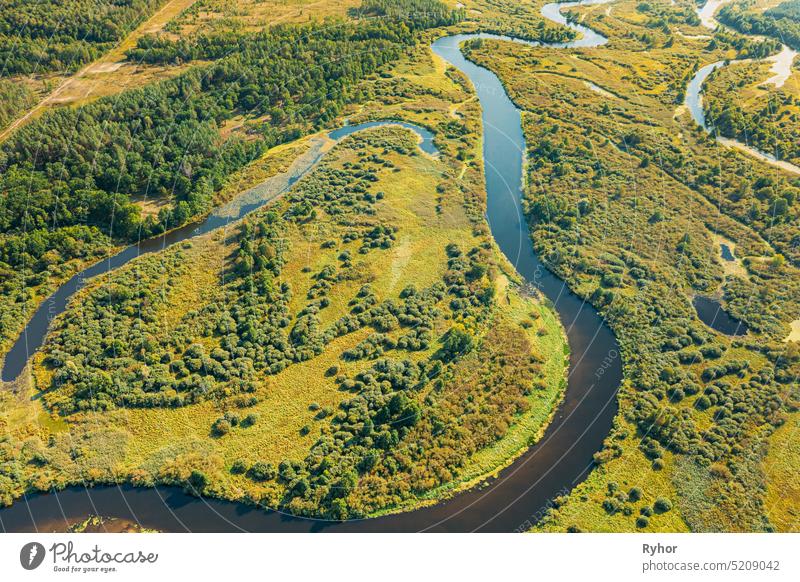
[457, 342]
[262, 471]
[662, 505]
[221, 427]
[197, 481]
[635, 494]
[642, 522]
[612, 506]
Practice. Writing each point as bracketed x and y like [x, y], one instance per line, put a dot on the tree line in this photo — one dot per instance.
[50, 35]
[781, 22]
[81, 167]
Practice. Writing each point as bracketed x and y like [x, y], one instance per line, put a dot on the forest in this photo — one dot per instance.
[14, 98]
[769, 122]
[79, 168]
[50, 35]
[781, 22]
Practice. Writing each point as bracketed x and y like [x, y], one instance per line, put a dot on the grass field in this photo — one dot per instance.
[783, 483]
[649, 207]
[629, 202]
[106, 76]
[429, 209]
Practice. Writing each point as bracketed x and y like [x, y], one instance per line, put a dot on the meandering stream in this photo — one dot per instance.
[521, 493]
[781, 69]
[709, 309]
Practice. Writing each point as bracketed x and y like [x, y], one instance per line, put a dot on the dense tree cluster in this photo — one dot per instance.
[410, 427]
[83, 165]
[781, 22]
[692, 393]
[772, 126]
[49, 35]
[14, 98]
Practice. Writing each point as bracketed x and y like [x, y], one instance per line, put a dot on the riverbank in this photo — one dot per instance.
[569, 429]
[623, 200]
[781, 70]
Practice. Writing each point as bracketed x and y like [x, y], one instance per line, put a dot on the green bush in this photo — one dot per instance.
[662, 505]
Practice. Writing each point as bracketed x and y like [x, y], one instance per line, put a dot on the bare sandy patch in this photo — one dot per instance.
[150, 206]
[794, 335]
[104, 67]
[734, 267]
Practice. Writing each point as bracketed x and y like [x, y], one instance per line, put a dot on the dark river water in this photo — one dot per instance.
[511, 502]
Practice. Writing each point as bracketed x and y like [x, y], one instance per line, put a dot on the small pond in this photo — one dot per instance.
[727, 253]
[710, 312]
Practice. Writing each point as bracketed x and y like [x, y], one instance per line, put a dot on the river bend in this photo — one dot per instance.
[522, 492]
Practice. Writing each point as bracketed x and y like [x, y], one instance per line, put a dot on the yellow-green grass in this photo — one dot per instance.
[549, 83]
[100, 524]
[420, 71]
[783, 479]
[112, 73]
[148, 445]
[109, 74]
[585, 512]
[747, 84]
[252, 15]
[616, 21]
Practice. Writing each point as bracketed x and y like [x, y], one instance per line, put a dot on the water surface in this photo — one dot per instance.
[523, 491]
[726, 252]
[782, 69]
[710, 312]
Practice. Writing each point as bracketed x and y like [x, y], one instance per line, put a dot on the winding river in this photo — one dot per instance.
[521, 493]
[709, 309]
[782, 69]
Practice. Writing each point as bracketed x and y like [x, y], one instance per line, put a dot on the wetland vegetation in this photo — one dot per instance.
[355, 347]
[360, 345]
